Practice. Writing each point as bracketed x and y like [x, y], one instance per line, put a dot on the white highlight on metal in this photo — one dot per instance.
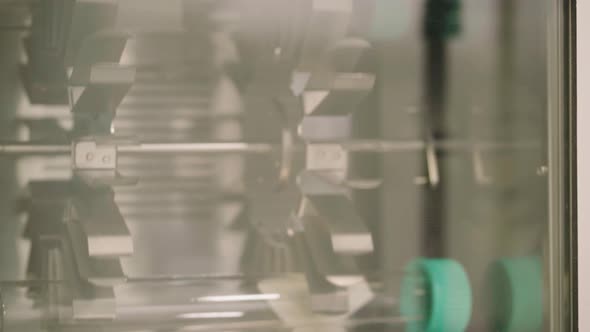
[209, 315]
[24, 148]
[583, 159]
[229, 147]
[356, 243]
[240, 298]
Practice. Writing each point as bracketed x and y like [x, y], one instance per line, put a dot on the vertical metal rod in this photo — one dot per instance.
[434, 230]
[568, 181]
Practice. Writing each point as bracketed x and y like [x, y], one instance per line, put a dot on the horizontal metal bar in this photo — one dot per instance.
[229, 147]
[416, 145]
[28, 148]
[381, 146]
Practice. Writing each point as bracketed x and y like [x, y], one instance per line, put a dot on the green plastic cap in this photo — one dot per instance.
[436, 296]
[442, 19]
[516, 293]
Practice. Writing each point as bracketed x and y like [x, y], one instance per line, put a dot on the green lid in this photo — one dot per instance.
[391, 18]
[436, 296]
[516, 287]
[442, 18]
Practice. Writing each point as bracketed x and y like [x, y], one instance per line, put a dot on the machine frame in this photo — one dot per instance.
[566, 155]
[580, 100]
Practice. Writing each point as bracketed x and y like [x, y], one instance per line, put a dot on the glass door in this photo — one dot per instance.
[291, 165]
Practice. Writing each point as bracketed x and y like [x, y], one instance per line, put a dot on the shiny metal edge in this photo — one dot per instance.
[583, 162]
[560, 254]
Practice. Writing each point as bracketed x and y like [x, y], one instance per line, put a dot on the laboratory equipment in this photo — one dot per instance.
[298, 165]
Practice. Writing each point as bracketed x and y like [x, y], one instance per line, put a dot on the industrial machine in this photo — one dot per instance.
[287, 165]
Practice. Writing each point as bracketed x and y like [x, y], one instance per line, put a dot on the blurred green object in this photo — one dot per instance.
[516, 286]
[436, 296]
[442, 19]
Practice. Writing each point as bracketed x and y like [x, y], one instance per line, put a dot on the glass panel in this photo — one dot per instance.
[270, 165]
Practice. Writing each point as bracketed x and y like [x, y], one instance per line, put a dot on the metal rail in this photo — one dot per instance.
[379, 146]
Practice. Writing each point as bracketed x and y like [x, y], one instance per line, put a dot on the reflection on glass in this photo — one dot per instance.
[301, 165]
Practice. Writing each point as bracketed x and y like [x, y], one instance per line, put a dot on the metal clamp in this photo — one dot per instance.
[89, 155]
[432, 168]
[94, 160]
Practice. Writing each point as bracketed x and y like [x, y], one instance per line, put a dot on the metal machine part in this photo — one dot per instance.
[273, 165]
[580, 186]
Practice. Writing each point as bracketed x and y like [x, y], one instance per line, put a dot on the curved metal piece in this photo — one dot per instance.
[432, 165]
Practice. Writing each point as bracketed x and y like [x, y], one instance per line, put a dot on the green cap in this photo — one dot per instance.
[442, 18]
[516, 286]
[436, 296]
